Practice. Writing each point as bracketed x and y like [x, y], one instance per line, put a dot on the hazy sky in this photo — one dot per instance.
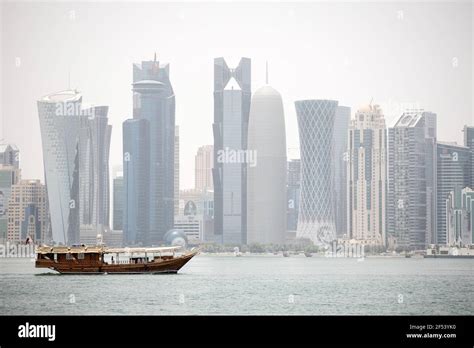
[400, 54]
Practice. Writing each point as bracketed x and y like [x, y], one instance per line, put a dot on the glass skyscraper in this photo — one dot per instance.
[469, 142]
[94, 146]
[176, 171]
[453, 172]
[339, 158]
[232, 94]
[316, 219]
[412, 180]
[460, 217]
[136, 177]
[60, 125]
[118, 203]
[76, 143]
[149, 146]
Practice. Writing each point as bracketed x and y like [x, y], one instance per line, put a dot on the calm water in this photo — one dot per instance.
[249, 285]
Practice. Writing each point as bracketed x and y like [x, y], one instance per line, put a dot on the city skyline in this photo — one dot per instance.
[434, 168]
[243, 159]
[76, 139]
[76, 149]
[336, 62]
[72, 158]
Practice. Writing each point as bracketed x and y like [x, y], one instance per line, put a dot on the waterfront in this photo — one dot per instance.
[248, 285]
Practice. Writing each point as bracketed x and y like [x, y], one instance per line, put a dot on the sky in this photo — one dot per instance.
[397, 54]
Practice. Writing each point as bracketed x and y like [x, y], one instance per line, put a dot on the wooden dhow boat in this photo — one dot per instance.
[101, 260]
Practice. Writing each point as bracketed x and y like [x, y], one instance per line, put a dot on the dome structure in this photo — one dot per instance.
[175, 237]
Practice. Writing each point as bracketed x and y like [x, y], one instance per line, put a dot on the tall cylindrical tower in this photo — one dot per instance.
[266, 174]
[316, 219]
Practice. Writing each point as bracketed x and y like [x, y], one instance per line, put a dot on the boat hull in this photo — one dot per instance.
[163, 266]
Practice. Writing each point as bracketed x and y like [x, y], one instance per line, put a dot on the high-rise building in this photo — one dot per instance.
[136, 178]
[293, 194]
[176, 170]
[9, 176]
[339, 159]
[460, 217]
[469, 142]
[232, 94]
[28, 212]
[60, 124]
[453, 170]
[76, 143]
[9, 155]
[118, 202]
[367, 176]
[203, 168]
[94, 146]
[149, 144]
[412, 180]
[266, 176]
[316, 219]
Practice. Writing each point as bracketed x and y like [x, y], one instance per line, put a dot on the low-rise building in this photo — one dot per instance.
[193, 227]
[460, 217]
[28, 215]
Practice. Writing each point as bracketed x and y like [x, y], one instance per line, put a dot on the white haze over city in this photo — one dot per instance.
[397, 54]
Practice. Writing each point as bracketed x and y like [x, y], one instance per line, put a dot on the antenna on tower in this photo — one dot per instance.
[154, 68]
[266, 69]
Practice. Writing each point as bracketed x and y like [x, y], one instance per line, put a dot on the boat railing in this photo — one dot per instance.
[140, 261]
